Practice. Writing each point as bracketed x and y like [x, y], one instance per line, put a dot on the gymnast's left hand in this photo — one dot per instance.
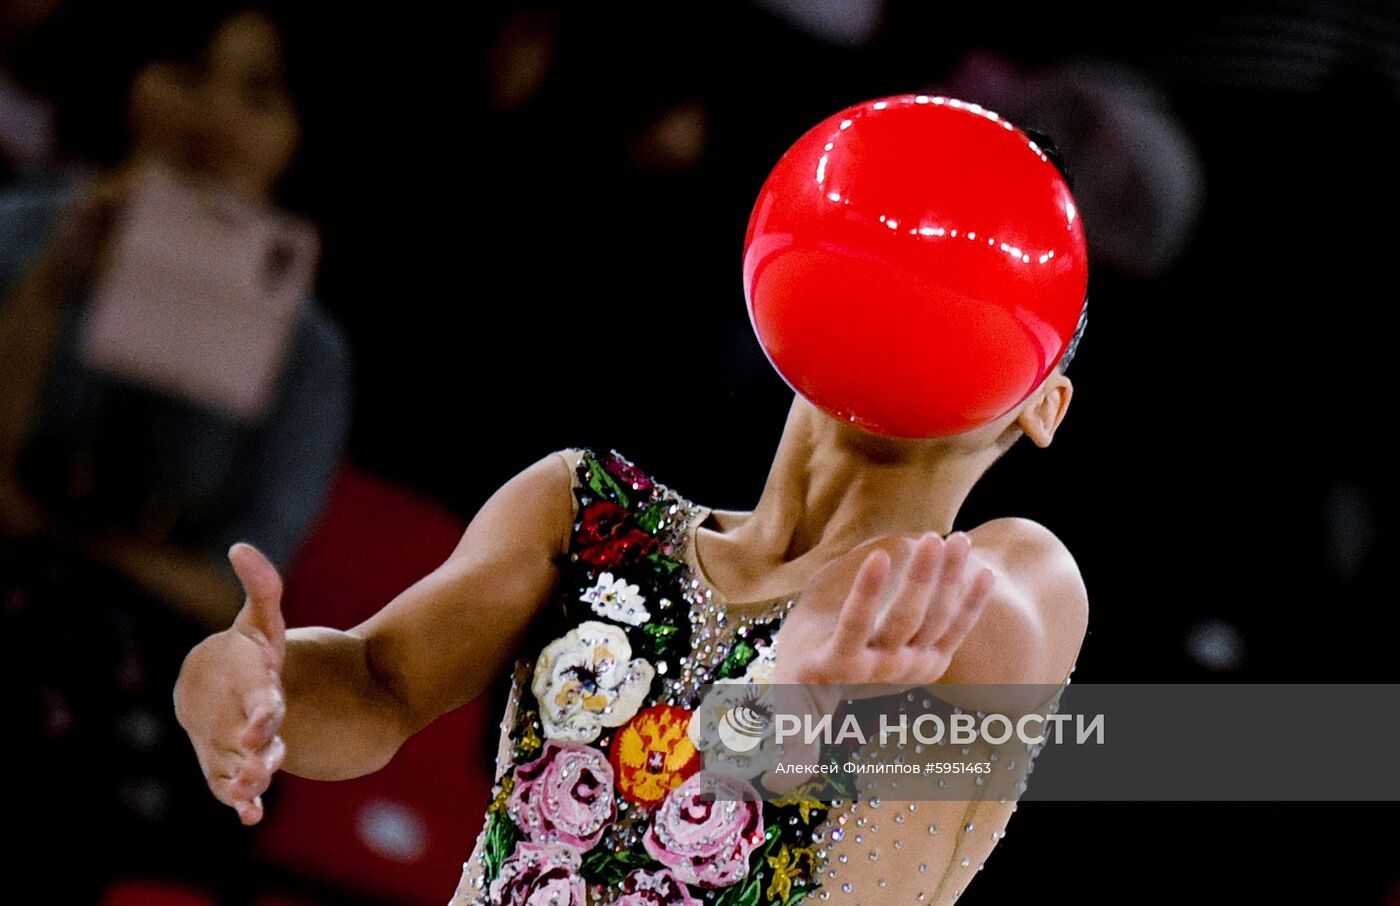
[891, 612]
[887, 616]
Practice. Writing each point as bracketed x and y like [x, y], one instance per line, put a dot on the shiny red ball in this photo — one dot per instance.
[915, 266]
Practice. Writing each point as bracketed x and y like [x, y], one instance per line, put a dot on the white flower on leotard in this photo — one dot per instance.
[587, 680]
[616, 600]
[751, 696]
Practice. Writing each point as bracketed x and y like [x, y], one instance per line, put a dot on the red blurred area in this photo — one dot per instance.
[146, 892]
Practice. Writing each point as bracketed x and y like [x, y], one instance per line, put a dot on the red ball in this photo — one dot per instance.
[915, 266]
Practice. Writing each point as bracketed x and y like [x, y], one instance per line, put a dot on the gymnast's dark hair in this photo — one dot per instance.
[1073, 345]
[1047, 144]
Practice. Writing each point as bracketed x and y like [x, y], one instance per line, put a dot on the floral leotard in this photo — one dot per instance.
[603, 792]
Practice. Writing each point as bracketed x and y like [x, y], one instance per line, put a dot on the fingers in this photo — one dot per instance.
[862, 606]
[249, 753]
[261, 615]
[250, 813]
[936, 605]
[265, 710]
[255, 775]
[945, 593]
[906, 613]
[238, 779]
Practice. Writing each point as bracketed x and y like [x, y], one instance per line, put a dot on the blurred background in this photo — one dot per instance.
[517, 227]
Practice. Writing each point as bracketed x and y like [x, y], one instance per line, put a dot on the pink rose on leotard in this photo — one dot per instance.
[654, 888]
[540, 874]
[565, 796]
[706, 829]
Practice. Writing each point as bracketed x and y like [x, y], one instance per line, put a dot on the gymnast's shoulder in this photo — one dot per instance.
[1036, 620]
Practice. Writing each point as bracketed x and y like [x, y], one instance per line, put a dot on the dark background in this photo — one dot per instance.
[514, 281]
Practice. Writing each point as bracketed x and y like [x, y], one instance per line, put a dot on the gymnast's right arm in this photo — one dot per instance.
[328, 704]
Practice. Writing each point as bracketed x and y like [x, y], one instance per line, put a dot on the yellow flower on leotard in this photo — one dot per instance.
[789, 865]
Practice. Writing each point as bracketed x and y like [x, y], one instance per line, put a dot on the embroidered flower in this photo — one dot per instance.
[502, 796]
[608, 539]
[706, 829]
[565, 796]
[527, 735]
[626, 473]
[587, 680]
[616, 600]
[652, 754]
[791, 864]
[624, 549]
[804, 799]
[599, 521]
[654, 888]
[751, 660]
[540, 874]
[733, 727]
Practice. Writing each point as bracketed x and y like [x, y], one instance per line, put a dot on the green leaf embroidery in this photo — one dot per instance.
[607, 866]
[651, 517]
[600, 481]
[501, 835]
[661, 638]
[746, 893]
[738, 659]
[843, 786]
[799, 893]
[664, 565]
[772, 835]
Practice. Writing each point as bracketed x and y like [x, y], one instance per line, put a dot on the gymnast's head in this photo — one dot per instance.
[915, 268]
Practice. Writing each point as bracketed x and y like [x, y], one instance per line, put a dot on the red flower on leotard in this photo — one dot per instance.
[599, 521]
[608, 539]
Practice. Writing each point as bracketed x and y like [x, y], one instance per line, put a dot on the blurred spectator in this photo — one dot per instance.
[74, 436]
[118, 500]
[1137, 176]
[26, 119]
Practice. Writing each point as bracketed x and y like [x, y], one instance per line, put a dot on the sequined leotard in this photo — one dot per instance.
[601, 784]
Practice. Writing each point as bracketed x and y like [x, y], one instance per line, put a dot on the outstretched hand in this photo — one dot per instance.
[904, 616]
[896, 623]
[229, 694]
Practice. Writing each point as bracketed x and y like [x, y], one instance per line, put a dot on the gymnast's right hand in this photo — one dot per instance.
[229, 693]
